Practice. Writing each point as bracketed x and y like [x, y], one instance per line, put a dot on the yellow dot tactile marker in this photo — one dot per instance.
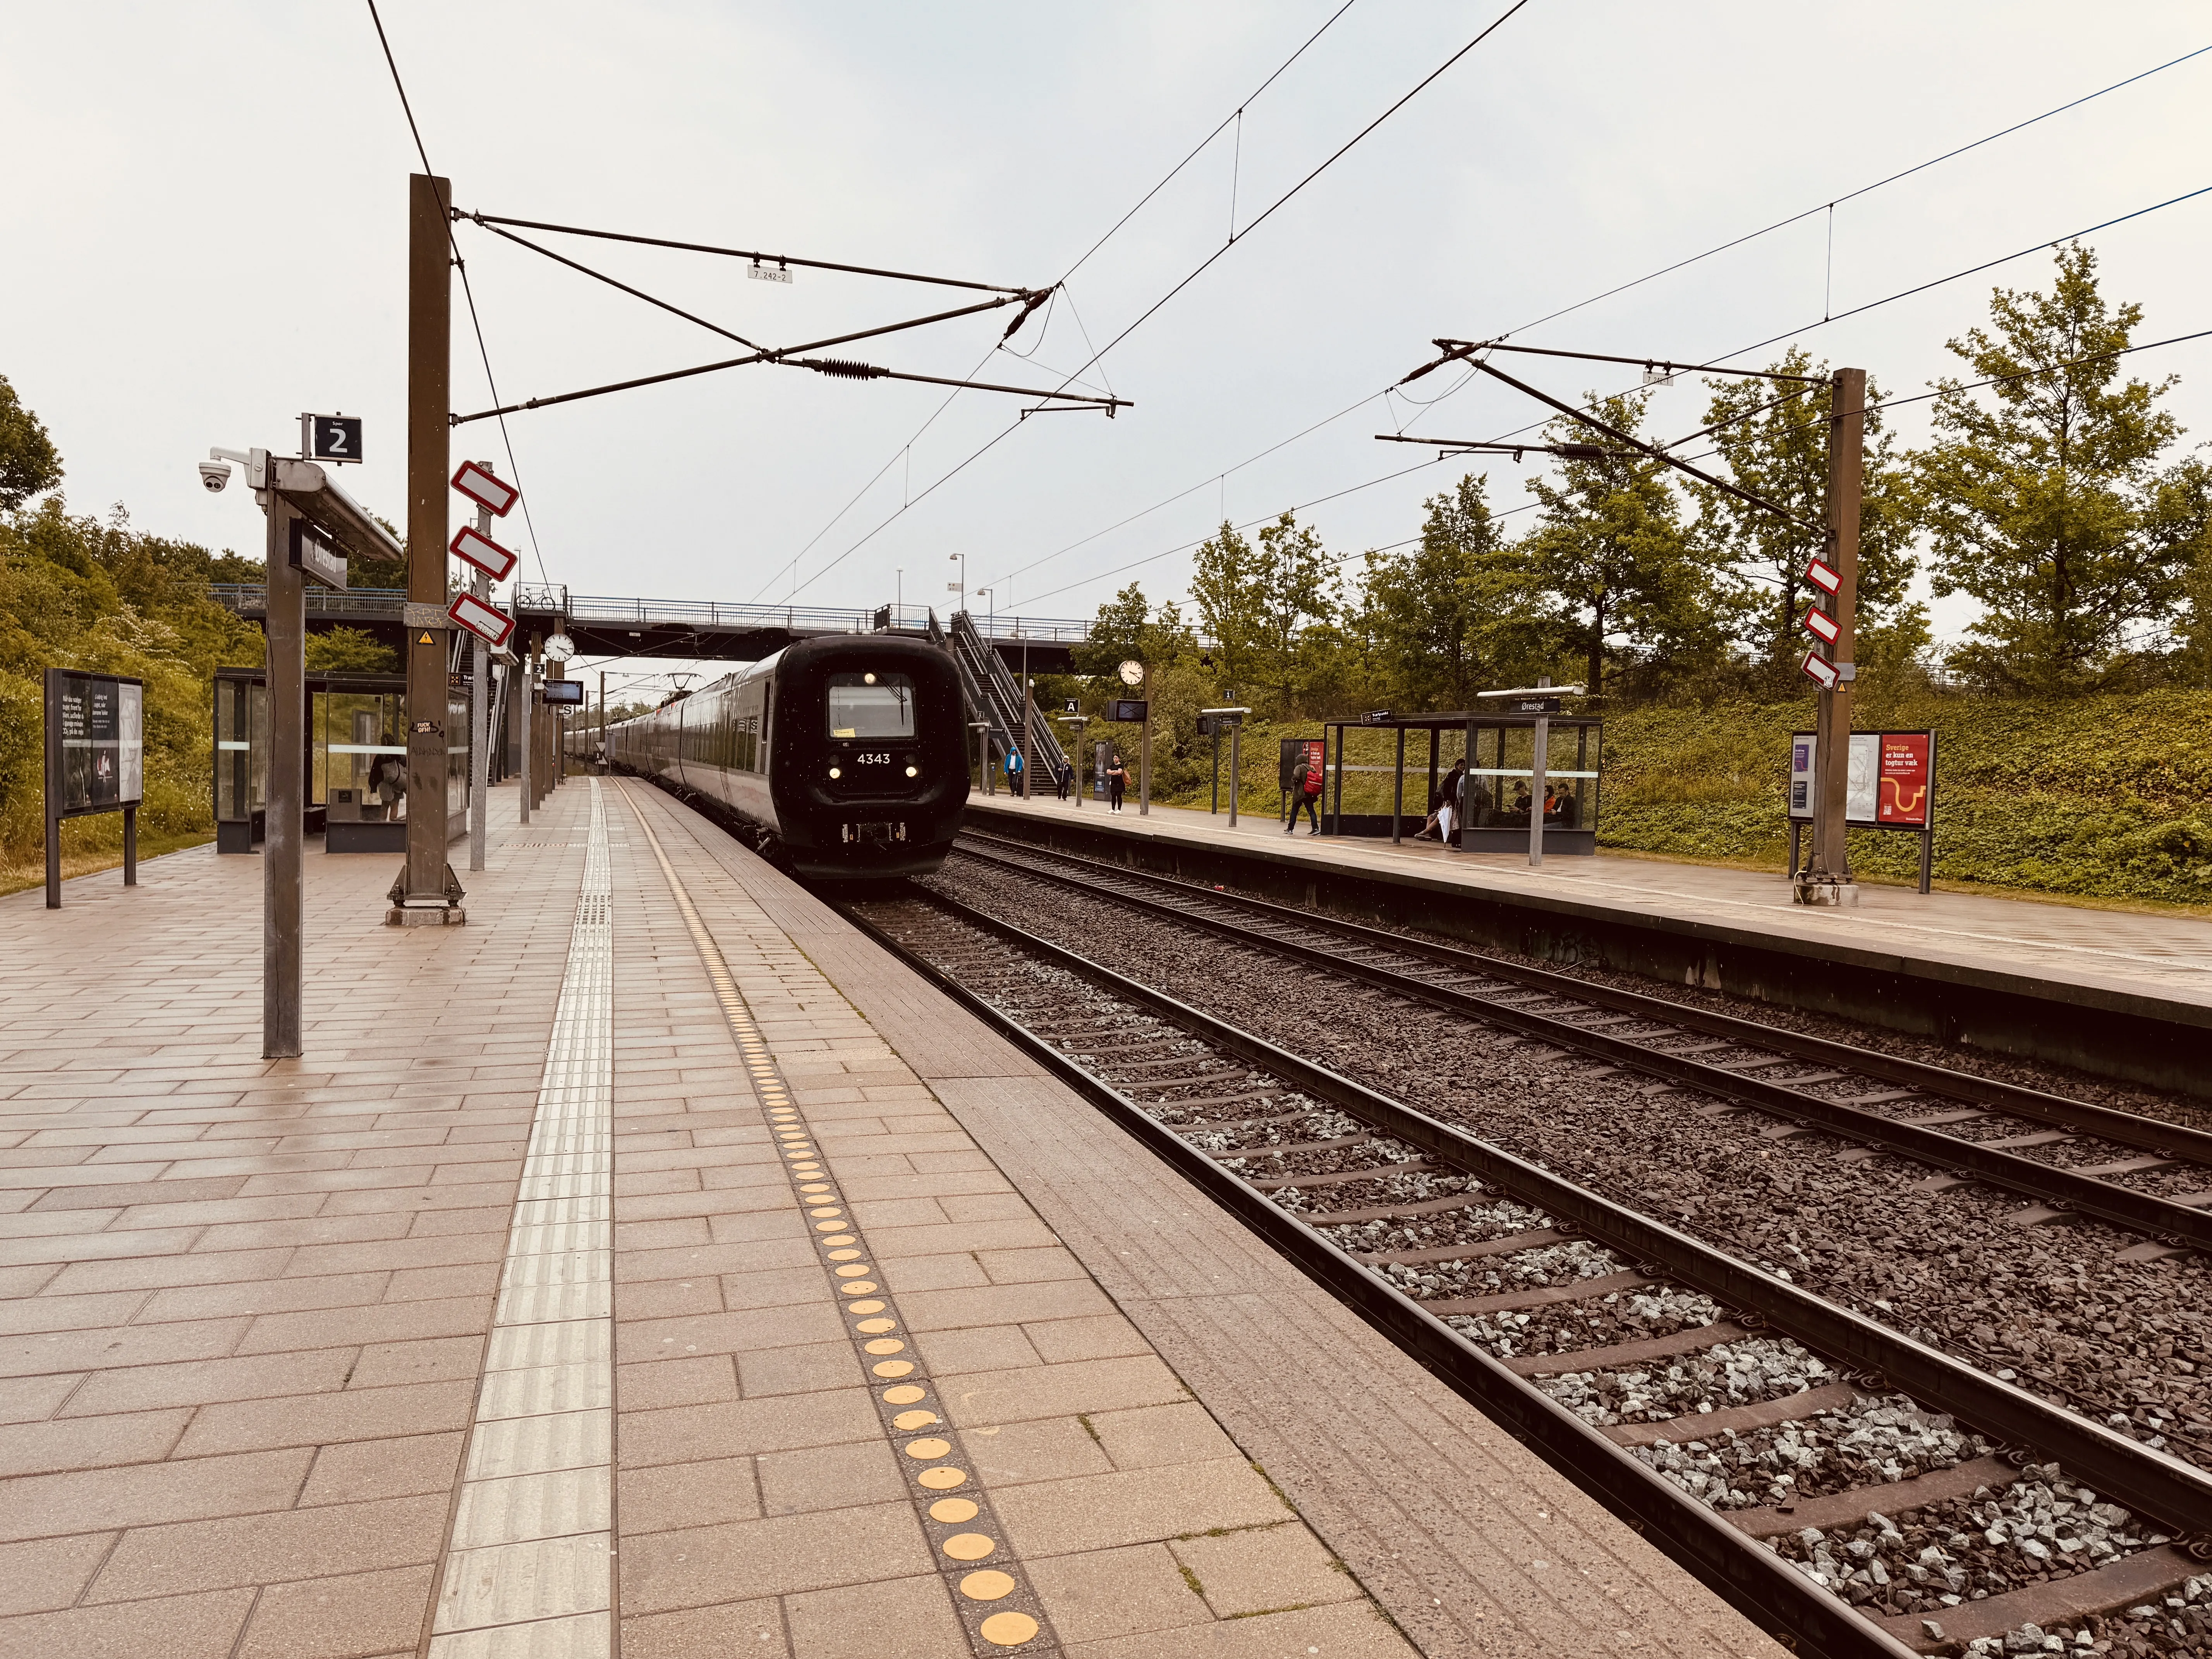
[988, 1585]
[1008, 1629]
[968, 1546]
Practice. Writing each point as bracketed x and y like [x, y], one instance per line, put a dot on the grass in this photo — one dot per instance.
[90, 861]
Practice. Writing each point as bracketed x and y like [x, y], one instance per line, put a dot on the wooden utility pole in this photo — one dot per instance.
[420, 895]
[1828, 880]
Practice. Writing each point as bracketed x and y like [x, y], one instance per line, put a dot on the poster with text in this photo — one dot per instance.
[1861, 790]
[103, 747]
[1904, 782]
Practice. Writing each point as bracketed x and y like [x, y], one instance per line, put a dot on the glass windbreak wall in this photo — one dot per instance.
[1387, 774]
[360, 745]
[1504, 772]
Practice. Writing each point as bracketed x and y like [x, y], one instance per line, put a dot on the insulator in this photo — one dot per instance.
[845, 368]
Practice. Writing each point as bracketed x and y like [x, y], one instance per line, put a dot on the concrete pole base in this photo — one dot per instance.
[426, 916]
[1833, 895]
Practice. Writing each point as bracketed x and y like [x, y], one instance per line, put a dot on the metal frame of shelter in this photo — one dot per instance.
[1579, 839]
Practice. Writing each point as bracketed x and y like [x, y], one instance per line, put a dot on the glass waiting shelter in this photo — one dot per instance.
[1367, 791]
[356, 734]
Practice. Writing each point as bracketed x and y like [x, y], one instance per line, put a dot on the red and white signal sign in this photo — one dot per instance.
[487, 622]
[473, 546]
[1818, 622]
[485, 489]
[1824, 576]
[1819, 668]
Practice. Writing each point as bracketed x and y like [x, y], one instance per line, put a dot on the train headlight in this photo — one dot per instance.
[914, 771]
[835, 772]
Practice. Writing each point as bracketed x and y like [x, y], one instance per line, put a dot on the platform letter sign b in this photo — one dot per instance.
[336, 437]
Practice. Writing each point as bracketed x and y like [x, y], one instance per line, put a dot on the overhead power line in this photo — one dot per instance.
[1203, 265]
[514, 467]
[1679, 265]
[906, 450]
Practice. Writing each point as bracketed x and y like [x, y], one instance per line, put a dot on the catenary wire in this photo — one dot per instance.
[1862, 190]
[468, 292]
[1202, 267]
[1166, 180]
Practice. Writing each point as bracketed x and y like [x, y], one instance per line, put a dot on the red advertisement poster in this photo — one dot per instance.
[1903, 784]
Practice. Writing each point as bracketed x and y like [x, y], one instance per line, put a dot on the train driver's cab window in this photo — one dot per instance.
[868, 705]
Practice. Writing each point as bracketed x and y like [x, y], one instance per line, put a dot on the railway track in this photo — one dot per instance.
[2140, 1174]
[1746, 1426]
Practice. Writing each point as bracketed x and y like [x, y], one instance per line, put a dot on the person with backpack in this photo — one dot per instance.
[1117, 780]
[1451, 804]
[1305, 792]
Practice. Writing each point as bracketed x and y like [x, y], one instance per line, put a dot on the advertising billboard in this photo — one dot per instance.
[1892, 782]
[99, 722]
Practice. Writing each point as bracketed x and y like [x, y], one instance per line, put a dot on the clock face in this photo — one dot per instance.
[559, 648]
[1133, 673]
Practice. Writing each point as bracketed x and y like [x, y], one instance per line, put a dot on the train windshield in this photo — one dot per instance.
[871, 705]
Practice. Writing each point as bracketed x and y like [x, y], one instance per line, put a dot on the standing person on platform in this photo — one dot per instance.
[1305, 792]
[1064, 772]
[1013, 771]
[1117, 780]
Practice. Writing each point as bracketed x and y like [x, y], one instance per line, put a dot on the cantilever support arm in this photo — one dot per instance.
[1638, 444]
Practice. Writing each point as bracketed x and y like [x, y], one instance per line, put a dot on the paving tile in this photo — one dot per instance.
[84, 1443]
[115, 1347]
[744, 1331]
[737, 1427]
[1082, 1387]
[712, 1633]
[1149, 1436]
[327, 1418]
[1047, 1449]
[48, 1573]
[403, 1467]
[1101, 1593]
[1263, 1568]
[1098, 1511]
[801, 1369]
[707, 1492]
[695, 1381]
[175, 1627]
[350, 1326]
[780, 1555]
[829, 1477]
[1096, 1336]
[259, 1377]
[910, 1616]
[441, 1359]
[980, 1348]
[268, 1296]
[1348, 1631]
[339, 1617]
[149, 1494]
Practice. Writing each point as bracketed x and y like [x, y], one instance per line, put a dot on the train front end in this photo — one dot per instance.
[869, 770]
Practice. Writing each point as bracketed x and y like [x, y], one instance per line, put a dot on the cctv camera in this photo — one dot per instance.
[214, 475]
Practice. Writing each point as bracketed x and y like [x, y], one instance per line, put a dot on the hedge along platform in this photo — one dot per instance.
[2120, 995]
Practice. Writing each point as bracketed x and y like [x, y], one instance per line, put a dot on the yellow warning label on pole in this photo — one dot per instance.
[426, 639]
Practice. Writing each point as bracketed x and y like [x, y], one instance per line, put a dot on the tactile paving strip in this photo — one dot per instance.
[996, 1605]
[529, 1568]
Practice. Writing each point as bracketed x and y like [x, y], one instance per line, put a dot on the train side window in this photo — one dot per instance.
[871, 705]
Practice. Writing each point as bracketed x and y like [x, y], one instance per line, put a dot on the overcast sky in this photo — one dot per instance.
[206, 222]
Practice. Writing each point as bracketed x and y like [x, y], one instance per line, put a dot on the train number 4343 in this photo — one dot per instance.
[873, 760]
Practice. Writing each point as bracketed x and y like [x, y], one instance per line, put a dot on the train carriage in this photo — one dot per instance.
[841, 759]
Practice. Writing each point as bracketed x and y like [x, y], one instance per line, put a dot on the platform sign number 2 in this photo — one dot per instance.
[333, 437]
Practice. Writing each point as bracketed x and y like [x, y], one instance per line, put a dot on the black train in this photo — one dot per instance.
[840, 758]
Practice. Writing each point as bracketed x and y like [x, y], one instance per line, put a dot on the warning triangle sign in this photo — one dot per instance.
[425, 640]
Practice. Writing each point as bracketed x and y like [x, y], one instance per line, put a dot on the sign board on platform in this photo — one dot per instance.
[1824, 576]
[333, 437]
[1821, 625]
[315, 558]
[95, 742]
[487, 622]
[486, 489]
[568, 691]
[1131, 708]
[1893, 780]
[1818, 668]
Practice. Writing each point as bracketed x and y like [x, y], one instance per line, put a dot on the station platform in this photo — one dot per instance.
[2119, 994]
[652, 1265]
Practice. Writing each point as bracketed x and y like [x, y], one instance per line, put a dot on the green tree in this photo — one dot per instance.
[1422, 612]
[2044, 491]
[1257, 598]
[1611, 567]
[1128, 629]
[1776, 447]
[29, 463]
[350, 650]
